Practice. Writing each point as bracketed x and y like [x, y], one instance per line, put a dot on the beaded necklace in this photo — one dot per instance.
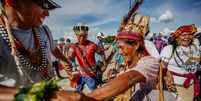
[38, 62]
[190, 55]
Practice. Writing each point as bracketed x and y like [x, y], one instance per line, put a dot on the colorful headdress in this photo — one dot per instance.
[80, 29]
[134, 25]
[190, 28]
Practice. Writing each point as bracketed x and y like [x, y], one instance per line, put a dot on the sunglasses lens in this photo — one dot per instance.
[42, 3]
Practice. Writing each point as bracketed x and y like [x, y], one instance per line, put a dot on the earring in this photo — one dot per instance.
[9, 2]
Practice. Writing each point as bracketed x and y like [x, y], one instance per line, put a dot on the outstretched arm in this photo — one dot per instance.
[7, 93]
[104, 60]
[59, 55]
[122, 82]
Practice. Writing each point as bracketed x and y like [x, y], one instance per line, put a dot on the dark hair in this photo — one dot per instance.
[151, 39]
[147, 33]
[171, 34]
[67, 40]
[132, 42]
[3, 2]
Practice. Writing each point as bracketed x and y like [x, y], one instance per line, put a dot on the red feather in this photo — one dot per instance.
[9, 2]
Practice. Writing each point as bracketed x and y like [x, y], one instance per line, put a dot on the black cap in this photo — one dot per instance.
[67, 40]
[52, 5]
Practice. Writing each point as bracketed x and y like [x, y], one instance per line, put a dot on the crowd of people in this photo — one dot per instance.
[28, 53]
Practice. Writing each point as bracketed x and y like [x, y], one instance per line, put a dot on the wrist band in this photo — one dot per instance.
[164, 74]
[67, 62]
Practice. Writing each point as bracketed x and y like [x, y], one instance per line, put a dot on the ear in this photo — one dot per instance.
[137, 45]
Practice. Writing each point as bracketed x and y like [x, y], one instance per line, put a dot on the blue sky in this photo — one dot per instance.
[106, 15]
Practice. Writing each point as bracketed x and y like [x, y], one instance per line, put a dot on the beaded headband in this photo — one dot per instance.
[190, 28]
[80, 29]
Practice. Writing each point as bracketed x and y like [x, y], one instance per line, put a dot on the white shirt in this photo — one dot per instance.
[185, 67]
[151, 48]
[9, 75]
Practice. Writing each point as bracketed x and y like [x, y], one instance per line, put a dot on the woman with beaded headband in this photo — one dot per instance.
[181, 59]
[141, 68]
[26, 48]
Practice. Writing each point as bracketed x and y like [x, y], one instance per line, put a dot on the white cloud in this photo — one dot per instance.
[153, 20]
[167, 31]
[164, 18]
[101, 12]
[103, 21]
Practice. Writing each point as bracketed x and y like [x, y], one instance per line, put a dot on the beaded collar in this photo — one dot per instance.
[38, 62]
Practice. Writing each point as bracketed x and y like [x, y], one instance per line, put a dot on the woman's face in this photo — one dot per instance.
[126, 51]
[184, 39]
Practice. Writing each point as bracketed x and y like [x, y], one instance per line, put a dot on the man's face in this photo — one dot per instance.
[159, 37]
[32, 13]
[100, 38]
[82, 38]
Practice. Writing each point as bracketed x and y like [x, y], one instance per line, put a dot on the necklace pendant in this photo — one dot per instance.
[191, 55]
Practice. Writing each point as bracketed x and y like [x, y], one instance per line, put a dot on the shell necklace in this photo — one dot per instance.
[39, 61]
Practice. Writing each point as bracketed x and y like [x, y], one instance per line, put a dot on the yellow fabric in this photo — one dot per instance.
[186, 94]
[159, 84]
[126, 96]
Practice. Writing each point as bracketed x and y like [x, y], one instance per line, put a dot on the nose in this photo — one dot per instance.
[120, 51]
[46, 12]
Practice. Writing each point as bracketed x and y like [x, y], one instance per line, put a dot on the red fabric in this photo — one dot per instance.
[60, 66]
[187, 81]
[73, 84]
[9, 2]
[60, 46]
[89, 50]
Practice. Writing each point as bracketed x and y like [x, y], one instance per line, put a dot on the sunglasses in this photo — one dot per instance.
[42, 3]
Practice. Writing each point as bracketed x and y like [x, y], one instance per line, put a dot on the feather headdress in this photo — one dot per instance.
[80, 29]
[134, 25]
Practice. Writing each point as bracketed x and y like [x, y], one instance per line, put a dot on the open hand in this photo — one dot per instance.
[103, 68]
[109, 74]
[67, 67]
